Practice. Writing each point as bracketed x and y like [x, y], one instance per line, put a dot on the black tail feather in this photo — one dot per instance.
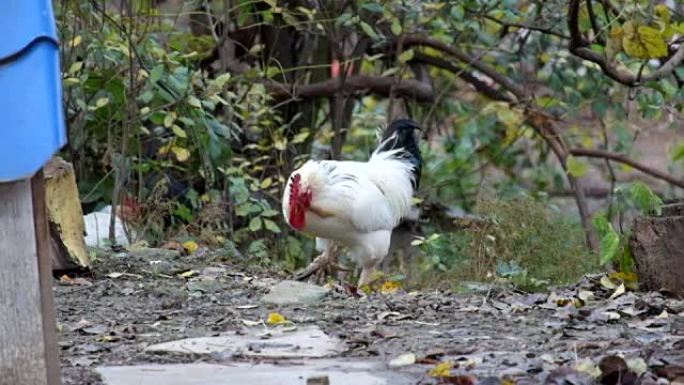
[400, 135]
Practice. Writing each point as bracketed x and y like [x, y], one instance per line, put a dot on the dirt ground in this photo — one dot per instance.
[491, 335]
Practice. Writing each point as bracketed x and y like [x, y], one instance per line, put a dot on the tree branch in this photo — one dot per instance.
[579, 47]
[479, 85]
[621, 158]
[501, 79]
[408, 88]
[594, 23]
[545, 31]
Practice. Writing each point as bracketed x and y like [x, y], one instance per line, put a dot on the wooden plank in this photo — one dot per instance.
[45, 275]
[22, 344]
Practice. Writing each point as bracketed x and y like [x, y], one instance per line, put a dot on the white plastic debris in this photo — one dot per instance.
[97, 229]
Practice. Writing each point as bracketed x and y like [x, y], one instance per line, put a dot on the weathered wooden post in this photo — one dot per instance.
[31, 130]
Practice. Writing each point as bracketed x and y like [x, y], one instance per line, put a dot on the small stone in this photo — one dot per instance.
[294, 292]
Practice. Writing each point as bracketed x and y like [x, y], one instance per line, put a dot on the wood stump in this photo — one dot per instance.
[67, 244]
[658, 248]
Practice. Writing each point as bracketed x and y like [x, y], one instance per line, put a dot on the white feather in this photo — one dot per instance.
[362, 201]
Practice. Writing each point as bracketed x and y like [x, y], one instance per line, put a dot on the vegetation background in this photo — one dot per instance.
[548, 123]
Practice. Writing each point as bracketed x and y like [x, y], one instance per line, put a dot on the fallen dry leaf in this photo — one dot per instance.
[389, 287]
[618, 292]
[190, 246]
[275, 319]
[442, 370]
[188, 274]
[607, 283]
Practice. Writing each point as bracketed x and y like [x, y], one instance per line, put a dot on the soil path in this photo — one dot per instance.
[489, 336]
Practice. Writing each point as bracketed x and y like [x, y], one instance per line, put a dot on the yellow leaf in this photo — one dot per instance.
[163, 150]
[406, 56]
[576, 167]
[179, 132]
[169, 119]
[626, 277]
[188, 274]
[389, 287]
[182, 154]
[76, 41]
[280, 144]
[75, 67]
[442, 370]
[276, 319]
[663, 13]
[190, 246]
[614, 44]
[266, 183]
[643, 42]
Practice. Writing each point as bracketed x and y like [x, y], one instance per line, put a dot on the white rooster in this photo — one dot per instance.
[357, 204]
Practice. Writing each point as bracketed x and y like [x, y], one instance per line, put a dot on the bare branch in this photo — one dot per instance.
[501, 79]
[408, 88]
[621, 158]
[543, 30]
[600, 36]
[462, 73]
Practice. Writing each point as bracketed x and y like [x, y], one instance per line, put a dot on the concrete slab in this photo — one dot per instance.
[294, 293]
[303, 342]
[339, 373]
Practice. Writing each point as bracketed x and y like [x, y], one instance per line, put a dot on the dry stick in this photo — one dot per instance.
[621, 158]
[594, 24]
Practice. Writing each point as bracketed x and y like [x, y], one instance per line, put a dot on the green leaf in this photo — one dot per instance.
[156, 73]
[396, 27]
[576, 167]
[406, 56]
[458, 12]
[645, 199]
[609, 246]
[368, 30]
[101, 102]
[271, 226]
[601, 224]
[301, 137]
[194, 102]
[179, 132]
[373, 7]
[269, 213]
[255, 224]
[243, 210]
[678, 152]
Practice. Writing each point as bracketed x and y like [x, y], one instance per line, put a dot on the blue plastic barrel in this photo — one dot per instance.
[32, 126]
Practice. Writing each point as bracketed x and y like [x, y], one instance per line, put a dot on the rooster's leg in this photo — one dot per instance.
[367, 274]
[324, 264]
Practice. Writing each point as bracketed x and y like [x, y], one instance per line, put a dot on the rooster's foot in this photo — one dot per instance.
[321, 267]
